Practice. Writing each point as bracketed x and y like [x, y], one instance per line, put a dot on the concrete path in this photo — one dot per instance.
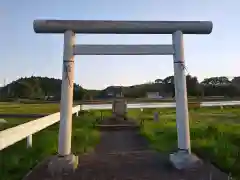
[123, 154]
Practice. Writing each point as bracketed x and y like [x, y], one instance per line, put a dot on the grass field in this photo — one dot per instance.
[18, 108]
[11, 122]
[215, 134]
[17, 160]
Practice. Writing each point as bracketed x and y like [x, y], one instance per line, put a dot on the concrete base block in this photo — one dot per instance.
[183, 160]
[61, 165]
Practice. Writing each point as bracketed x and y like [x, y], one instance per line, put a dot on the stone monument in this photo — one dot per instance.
[119, 109]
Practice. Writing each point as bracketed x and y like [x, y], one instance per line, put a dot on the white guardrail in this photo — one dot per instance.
[26, 130]
[12, 135]
[158, 105]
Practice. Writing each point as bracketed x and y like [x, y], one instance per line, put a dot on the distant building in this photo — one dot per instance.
[113, 91]
[153, 95]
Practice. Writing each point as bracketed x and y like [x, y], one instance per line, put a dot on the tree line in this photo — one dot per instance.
[50, 88]
[213, 86]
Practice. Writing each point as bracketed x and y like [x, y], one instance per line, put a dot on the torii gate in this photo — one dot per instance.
[176, 28]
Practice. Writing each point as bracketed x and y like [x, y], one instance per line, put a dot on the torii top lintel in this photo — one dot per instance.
[122, 27]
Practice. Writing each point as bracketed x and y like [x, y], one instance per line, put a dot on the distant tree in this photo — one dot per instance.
[169, 85]
[78, 93]
[220, 86]
[236, 82]
[193, 87]
[39, 87]
[216, 81]
[158, 81]
[168, 80]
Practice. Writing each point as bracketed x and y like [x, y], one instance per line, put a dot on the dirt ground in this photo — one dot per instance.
[123, 154]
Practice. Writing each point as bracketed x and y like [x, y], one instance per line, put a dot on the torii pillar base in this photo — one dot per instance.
[62, 165]
[184, 160]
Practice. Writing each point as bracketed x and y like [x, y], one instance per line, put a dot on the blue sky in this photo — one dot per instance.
[24, 53]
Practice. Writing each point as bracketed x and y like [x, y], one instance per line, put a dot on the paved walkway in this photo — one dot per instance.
[123, 154]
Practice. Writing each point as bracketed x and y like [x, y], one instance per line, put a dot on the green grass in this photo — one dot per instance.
[215, 134]
[11, 122]
[17, 160]
[20, 108]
